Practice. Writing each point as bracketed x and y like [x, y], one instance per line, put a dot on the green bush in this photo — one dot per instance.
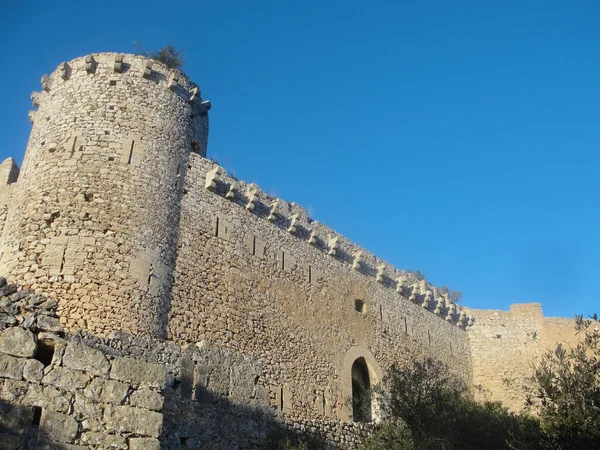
[168, 55]
[439, 413]
[566, 391]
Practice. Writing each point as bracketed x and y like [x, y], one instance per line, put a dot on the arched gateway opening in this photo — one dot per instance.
[359, 373]
[361, 392]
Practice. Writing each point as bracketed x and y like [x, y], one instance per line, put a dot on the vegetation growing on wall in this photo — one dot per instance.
[168, 55]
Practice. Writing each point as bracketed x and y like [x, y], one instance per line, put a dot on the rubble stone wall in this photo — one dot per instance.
[56, 392]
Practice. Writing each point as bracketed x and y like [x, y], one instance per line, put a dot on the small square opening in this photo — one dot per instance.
[37, 416]
[113, 82]
[45, 352]
[359, 306]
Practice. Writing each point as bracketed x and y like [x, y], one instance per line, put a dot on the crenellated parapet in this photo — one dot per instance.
[295, 220]
[120, 66]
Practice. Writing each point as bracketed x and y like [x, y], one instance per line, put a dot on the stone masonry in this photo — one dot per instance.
[165, 304]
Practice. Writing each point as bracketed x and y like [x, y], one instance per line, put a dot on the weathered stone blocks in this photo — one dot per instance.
[138, 372]
[144, 444]
[15, 418]
[65, 378]
[18, 342]
[145, 398]
[125, 419]
[81, 357]
[11, 367]
[59, 427]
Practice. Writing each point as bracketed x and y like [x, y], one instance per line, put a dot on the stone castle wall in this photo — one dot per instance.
[245, 282]
[255, 313]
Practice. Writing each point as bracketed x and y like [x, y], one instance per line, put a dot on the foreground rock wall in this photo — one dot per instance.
[56, 392]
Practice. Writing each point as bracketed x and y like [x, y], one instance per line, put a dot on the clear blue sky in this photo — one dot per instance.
[458, 138]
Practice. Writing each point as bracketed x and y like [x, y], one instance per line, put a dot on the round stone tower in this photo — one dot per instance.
[94, 214]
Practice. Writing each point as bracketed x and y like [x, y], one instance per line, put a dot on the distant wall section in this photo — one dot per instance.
[505, 346]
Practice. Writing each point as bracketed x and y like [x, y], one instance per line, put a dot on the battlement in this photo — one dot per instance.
[294, 219]
[9, 172]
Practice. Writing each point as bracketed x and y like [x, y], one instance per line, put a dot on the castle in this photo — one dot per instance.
[194, 310]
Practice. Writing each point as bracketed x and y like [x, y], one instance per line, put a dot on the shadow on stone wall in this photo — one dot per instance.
[80, 391]
[215, 422]
[20, 429]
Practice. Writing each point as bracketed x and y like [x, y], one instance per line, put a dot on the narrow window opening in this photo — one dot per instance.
[380, 312]
[45, 352]
[178, 175]
[451, 353]
[62, 264]
[217, 227]
[131, 151]
[149, 278]
[361, 392]
[281, 398]
[37, 416]
[310, 274]
[405, 326]
[359, 306]
[429, 336]
[111, 158]
[74, 145]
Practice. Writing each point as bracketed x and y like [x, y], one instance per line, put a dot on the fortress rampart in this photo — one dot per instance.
[119, 216]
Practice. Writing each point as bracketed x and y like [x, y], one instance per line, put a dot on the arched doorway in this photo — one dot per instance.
[361, 392]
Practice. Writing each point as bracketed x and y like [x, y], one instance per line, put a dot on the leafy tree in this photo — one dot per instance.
[167, 54]
[439, 413]
[566, 391]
